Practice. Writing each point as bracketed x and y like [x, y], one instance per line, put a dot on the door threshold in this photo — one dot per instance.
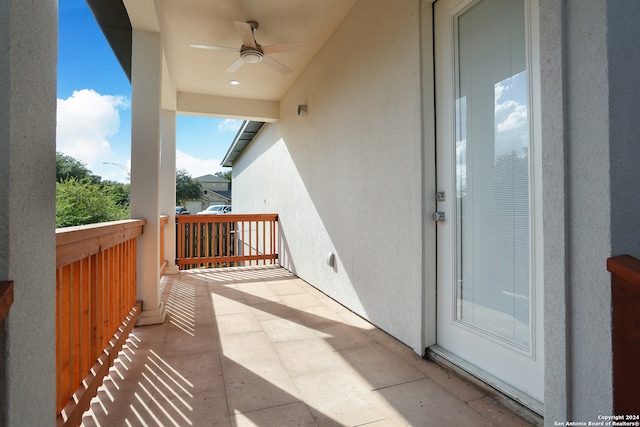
[526, 406]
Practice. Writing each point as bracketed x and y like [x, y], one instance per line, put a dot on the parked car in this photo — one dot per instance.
[181, 210]
[216, 209]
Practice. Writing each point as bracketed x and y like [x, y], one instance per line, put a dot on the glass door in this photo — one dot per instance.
[487, 309]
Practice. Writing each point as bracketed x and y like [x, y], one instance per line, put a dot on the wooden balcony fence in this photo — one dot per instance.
[625, 333]
[225, 240]
[95, 308]
[96, 305]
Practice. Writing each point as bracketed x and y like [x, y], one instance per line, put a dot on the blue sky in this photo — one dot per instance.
[94, 106]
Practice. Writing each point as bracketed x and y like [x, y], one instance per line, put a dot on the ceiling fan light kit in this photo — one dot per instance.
[251, 56]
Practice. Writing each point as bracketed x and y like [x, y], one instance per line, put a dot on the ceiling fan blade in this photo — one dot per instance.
[246, 34]
[234, 66]
[278, 66]
[211, 47]
[286, 47]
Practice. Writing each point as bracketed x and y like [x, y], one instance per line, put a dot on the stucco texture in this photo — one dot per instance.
[28, 34]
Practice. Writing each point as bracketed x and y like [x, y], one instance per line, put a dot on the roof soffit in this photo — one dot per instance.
[199, 71]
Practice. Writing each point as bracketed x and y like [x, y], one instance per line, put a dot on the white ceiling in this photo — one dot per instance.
[211, 22]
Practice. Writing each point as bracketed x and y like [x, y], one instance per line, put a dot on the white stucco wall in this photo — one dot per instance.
[588, 203]
[346, 178]
[591, 180]
[555, 217]
[28, 36]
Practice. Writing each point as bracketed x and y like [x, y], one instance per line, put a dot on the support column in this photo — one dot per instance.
[146, 84]
[168, 187]
[28, 47]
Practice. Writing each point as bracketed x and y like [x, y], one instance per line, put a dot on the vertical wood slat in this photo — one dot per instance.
[75, 322]
[229, 245]
[95, 290]
[189, 237]
[240, 239]
[94, 301]
[198, 239]
[179, 236]
[85, 321]
[179, 239]
[63, 336]
[250, 242]
[272, 239]
[264, 234]
[219, 240]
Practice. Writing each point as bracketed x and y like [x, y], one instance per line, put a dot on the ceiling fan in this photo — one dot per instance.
[251, 52]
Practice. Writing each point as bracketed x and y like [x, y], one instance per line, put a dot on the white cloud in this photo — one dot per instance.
[511, 112]
[196, 166]
[85, 122]
[512, 130]
[516, 116]
[228, 125]
[499, 89]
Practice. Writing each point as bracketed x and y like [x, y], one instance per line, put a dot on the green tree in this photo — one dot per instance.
[68, 167]
[120, 192]
[225, 174]
[187, 188]
[81, 201]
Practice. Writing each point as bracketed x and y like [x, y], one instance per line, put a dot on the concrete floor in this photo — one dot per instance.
[257, 346]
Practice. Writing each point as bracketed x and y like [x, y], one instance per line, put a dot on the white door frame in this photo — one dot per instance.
[429, 175]
[429, 192]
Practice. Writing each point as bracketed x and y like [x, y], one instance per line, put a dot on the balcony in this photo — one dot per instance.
[259, 346]
[256, 345]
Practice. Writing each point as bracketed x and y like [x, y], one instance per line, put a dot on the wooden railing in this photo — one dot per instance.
[95, 308]
[625, 334]
[225, 240]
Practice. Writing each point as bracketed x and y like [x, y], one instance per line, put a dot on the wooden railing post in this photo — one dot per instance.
[6, 298]
[625, 301]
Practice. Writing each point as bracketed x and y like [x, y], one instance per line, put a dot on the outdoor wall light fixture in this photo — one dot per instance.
[331, 259]
[234, 82]
[302, 110]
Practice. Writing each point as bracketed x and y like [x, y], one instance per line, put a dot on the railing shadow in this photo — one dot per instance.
[151, 385]
[284, 253]
[211, 364]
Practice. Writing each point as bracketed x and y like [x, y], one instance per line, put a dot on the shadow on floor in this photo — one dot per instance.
[257, 346]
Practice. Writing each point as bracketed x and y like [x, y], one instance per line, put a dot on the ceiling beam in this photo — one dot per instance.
[234, 108]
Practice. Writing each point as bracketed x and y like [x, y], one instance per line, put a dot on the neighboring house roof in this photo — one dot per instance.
[211, 178]
[245, 135]
[225, 194]
[216, 196]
